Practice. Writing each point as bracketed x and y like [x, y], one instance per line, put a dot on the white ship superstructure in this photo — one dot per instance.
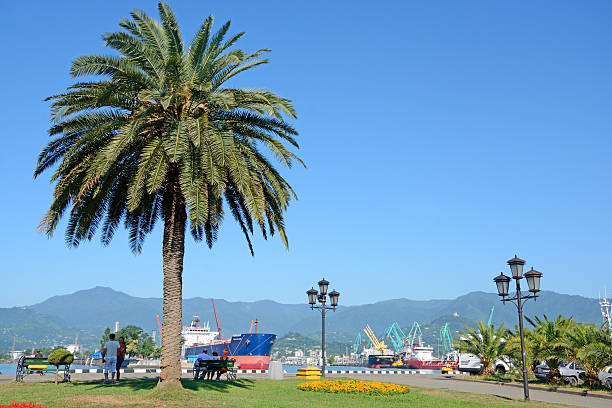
[197, 333]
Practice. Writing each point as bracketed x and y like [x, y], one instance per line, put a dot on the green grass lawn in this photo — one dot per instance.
[240, 393]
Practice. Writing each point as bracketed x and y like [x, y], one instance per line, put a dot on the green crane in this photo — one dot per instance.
[396, 335]
[446, 338]
[491, 316]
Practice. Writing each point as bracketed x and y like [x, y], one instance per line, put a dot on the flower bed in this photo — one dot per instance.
[354, 387]
[21, 405]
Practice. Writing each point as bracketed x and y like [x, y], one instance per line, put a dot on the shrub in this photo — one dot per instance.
[60, 357]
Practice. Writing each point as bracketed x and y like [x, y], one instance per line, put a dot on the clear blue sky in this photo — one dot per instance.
[441, 138]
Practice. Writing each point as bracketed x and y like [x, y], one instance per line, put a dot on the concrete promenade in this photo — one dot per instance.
[442, 382]
[435, 381]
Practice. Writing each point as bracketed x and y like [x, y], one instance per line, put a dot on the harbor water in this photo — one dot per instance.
[288, 368]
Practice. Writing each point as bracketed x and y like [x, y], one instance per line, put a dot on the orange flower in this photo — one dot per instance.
[353, 386]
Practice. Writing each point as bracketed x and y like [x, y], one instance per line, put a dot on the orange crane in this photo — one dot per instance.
[217, 319]
[158, 325]
[378, 344]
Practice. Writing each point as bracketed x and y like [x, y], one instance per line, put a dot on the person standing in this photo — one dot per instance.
[120, 356]
[109, 358]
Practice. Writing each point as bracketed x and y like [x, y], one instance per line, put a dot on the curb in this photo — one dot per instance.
[391, 372]
[583, 393]
[149, 371]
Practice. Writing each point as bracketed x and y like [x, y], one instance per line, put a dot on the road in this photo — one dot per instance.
[442, 382]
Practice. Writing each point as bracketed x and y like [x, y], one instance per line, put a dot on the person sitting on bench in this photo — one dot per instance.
[203, 356]
[215, 356]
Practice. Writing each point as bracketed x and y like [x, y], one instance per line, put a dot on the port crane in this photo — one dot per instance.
[415, 334]
[357, 343]
[491, 316]
[396, 335]
[378, 344]
[605, 305]
[447, 339]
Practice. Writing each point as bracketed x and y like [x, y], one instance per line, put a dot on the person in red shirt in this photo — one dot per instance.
[120, 355]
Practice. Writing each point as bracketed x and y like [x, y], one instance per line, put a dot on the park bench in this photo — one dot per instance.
[36, 365]
[200, 368]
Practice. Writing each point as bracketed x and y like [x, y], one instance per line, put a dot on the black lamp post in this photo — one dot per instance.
[321, 297]
[533, 281]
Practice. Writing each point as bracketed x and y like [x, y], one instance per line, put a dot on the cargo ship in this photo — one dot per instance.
[251, 350]
[422, 358]
[417, 357]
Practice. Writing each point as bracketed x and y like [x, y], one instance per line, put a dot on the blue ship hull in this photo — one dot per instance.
[250, 350]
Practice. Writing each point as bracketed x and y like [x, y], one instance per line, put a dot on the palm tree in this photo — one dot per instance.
[158, 134]
[591, 346]
[485, 342]
[544, 342]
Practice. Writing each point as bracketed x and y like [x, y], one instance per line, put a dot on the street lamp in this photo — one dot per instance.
[321, 297]
[533, 281]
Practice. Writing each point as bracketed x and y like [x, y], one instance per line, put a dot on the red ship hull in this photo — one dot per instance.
[252, 362]
[430, 365]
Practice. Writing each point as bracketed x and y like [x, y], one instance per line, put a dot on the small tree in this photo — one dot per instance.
[60, 357]
[485, 342]
[105, 338]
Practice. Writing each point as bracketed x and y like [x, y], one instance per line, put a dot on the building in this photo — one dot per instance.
[73, 348]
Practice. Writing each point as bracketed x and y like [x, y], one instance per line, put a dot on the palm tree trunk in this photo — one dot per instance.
[173, 210]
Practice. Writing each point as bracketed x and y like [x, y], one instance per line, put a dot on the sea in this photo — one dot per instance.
[290, 369]
[12, 368]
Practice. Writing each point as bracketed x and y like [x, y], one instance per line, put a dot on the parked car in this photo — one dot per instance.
[472, 364]
[605, 376]
[572, 372]
[541, 371]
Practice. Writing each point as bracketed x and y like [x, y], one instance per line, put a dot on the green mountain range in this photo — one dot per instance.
[88, 312]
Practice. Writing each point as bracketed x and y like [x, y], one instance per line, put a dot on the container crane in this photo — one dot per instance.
[415, 334]
[378, 344]
[447, 339]
[217, 319]
[396, 335]
[357, 343]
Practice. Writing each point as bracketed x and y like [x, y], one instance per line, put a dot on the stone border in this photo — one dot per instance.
[430, 372]
[188, 370]
[149, 371]
[583, 393]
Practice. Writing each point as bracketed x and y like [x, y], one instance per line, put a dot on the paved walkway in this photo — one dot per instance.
[442, 382]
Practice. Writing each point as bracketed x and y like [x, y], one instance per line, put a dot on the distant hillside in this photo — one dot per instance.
[92, 310]
[291, 341]
[101, 307]
[474, 306]
[30, 329]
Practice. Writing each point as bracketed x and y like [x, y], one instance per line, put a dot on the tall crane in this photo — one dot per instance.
[158, 325]
[396, 335]
[217, 319]
[447, 339]
[357, 343]
[491, 316]
[415, 334]
[378, 344]
[605, 305]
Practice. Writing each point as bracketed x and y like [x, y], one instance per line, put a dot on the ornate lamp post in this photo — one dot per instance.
[533, 281]
[321, 297]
